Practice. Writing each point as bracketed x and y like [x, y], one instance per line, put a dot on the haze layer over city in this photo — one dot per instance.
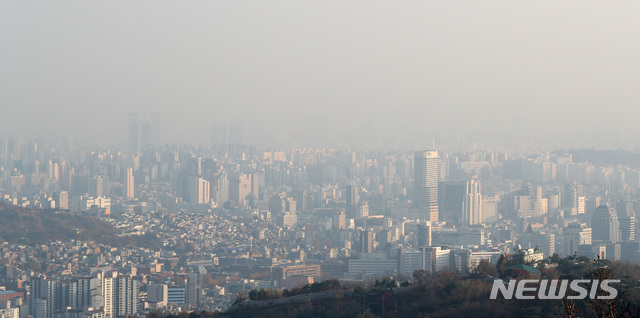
[376, 75]
[316, 159]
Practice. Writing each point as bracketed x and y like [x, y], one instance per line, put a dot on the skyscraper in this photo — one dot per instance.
[135, 133]
[425, 171]
[366, 241]
[149, 131]
[605, 225]
[243, 187]
[199, 190]
[130, 184]
[193, 290]
[352, 200]
[472, 212]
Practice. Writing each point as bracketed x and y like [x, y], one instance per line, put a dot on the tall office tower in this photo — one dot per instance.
[451, 199]
[130, 184]
[605, 225]
[574, 235]
[199, 190]
[426, 183]
[366, 241]
[424, 235]
[134, 133]
[472, 210]
[62, 200]
[353, 198]
[193, 290]
[627, 219]
[628, 229]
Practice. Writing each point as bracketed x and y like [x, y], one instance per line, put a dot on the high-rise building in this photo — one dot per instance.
[199, 190]
[134, 133]
[424, 235]
[193, 290]
[574, 235]
[472, 209]
[62, 200]
[221, 195]
[627, 218]
[366, 241]
[129, 184]
[43, 297]
[339, 221]
[244, 188]
[451, 198]
[605, 225]
[426, 164]
[158, 295]
[362, 209]
[435, 259]
[143, 134]
[120, 295]
[544, 241]
[149, 131]
[352, 200]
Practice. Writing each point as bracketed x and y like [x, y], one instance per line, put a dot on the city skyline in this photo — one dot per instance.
[333, 158]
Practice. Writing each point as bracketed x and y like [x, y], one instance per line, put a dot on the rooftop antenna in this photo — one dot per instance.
[434, 143]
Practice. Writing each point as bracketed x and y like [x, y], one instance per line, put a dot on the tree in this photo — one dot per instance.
[621, 306]
[421, 276]
[484, 268]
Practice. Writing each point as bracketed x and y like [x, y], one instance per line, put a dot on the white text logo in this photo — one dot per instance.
[555, 289]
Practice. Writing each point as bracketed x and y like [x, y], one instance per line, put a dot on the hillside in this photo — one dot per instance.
[31, 226]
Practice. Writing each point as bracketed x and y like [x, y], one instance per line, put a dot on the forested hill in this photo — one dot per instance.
[33, 226]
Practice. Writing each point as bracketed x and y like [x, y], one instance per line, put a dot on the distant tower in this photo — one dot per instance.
[62, 200]
[199, 190]
[605, 225]
[149, 131]
[472, 203]
[130, 184]
[353, 198]
[426, 164]
[135, 133]
[366, 239]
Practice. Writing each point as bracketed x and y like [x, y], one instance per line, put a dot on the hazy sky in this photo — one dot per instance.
[391, 73]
